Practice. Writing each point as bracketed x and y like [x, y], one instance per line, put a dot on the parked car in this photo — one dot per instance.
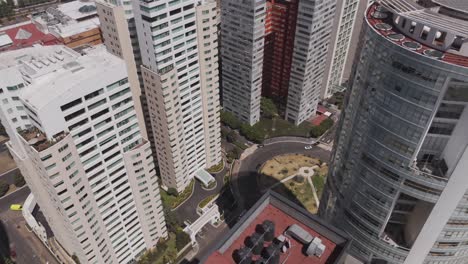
[16, 207]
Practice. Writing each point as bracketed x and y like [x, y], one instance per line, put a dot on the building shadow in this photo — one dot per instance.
[4, 243]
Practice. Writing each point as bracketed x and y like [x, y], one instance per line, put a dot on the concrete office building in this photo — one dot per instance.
[76, 138]
[278, 45]
[178, 40]
[242, 34]
[398, 181]
[343, 46]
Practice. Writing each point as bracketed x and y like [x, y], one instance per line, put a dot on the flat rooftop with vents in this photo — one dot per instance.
[276, 230]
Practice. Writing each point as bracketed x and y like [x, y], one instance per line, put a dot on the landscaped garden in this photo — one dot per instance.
[172, 199]
[206, 201]
[217, 167]
[299, 192]
[166, 250]
[298, 188]
[283, 166]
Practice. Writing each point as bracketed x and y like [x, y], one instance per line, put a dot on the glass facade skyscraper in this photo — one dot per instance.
[398, 180]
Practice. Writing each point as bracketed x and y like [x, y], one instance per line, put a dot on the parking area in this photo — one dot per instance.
[15, 238]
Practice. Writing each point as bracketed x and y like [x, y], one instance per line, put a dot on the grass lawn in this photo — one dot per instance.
[217, 167]
[319, 180]
[283, 166]
[174, 201]
[282, 128]
[298, 192]
[207, 200]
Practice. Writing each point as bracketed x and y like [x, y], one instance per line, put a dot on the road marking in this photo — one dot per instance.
[8, 171]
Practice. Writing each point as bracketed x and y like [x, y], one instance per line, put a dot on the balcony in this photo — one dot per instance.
[38, 140]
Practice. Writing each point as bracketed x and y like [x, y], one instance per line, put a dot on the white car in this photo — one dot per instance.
[308, 147]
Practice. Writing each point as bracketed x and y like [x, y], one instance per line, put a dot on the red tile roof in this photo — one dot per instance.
[317, 120]
[282, 221]
[37, 37]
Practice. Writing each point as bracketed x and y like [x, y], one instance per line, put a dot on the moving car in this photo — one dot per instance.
[308, 147]
[16, 207]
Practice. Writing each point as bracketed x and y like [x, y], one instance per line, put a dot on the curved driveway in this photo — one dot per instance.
[188, 210]
[246, 183]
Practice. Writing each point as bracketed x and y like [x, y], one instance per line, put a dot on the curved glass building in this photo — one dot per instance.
[399, 175]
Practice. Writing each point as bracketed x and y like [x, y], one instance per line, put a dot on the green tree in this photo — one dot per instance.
[251, 133]
[231, 136]
[182, 239]
[268, 108]
[19, 180]
[3, 188]
[317, 131]
[233, 154]
[171, 220]
[230, 120]
[6, 10]
[172, 191]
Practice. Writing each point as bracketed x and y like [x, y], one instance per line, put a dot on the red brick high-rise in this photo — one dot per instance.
[280, 28]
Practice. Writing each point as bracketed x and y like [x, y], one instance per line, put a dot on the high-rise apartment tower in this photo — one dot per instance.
[75, 136]
[398, 181]
[276, 46]
[345, 37]
[178, 43]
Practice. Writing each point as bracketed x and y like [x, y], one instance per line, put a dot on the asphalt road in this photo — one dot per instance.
[8, 177]
[188, 210]
[28, 248]
[246, 183]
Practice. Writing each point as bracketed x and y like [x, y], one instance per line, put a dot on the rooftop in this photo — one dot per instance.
[428, 31]
[26, 35]
[32, 62]
[68, 19]
[285, 216]
[79, 9]
[73, 75]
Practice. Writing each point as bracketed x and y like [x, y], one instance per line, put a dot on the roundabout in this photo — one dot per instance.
[248, 188]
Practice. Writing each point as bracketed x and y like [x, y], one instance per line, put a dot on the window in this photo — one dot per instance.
[74, 114]
[94, 94]
[98, 103]
[71, 104]
[100, 113]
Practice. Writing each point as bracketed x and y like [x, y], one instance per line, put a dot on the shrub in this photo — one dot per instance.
[19, 180]
[182, 239]
[284, 171]
[172, 191]
[3, 188]
[299, 179]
